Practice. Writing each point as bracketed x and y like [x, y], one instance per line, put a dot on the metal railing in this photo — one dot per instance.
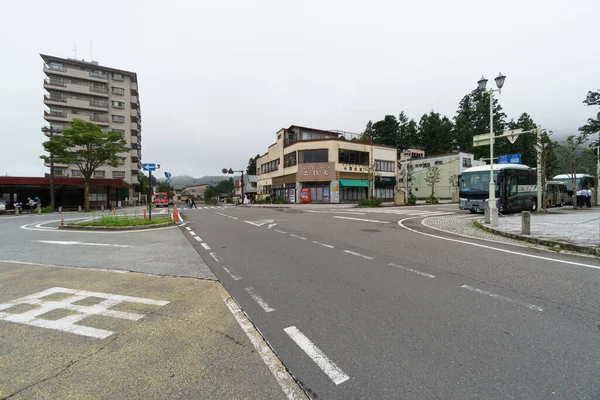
[98, 89]
[54, 82]
[99, 118]
[59, 99]
[54, 113]
[99, 103]
[54, 67]
[99, 74]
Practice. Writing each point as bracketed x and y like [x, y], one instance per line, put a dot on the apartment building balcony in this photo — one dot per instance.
[56, 116]
[137, 153]
[56, 70]
[134, 140]
[134, 99]
[88, 104]
[134, 126]
[54, 100]
[98, 119]
[134, 180]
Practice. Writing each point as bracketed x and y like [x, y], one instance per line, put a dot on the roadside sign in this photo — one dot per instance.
[167, 175]
[481, 140]
[149, 167]
[509, 158]
[168, 180]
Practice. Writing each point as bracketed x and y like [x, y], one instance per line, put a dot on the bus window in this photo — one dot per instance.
[513, 186]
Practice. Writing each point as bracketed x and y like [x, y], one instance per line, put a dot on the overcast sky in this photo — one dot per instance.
[217, 79]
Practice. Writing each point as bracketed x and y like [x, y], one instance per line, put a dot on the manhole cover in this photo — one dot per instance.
[370, 230]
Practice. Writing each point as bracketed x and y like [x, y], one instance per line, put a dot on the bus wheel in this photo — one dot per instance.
[534, 204]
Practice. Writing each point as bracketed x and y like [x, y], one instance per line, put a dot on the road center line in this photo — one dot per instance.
[232, 273]
[188, 228]
[214, 255]
[358, 254]
[324, 244]
[297, 237]
[493, 248]
[263, 304]
[192, 233]
[329, 367]
[279, 231]
[283, 377]
[197, 238]
[361, 219]
[499, 296]
[207, 247]
[411, 270]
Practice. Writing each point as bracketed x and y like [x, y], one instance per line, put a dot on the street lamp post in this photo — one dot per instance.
[492, 188]
[50, 133]
[407, 155]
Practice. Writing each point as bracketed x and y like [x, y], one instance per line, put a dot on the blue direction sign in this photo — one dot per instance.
[509, 158]
[168, 180]
[167, 175]
[149, 167]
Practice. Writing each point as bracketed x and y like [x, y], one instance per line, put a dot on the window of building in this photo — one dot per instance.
[57, 66]
[76, 82]
[76, 173]
[56, 96]
[426, 165]
[57, 127]
[289, 159]
[56, 111]
[118, 118]
[313, 156]
[117, 77]
[58, 172]
[385, 166]
[56, 81]
[117, 104]
[466, 162]
[270, 166]
[98, 174]
[353, 157]
[118, 90]
[118, 174]
[354, 193]
[98, 74]
[121, 161]
[98, 197]
[438, 163]
[384, 193]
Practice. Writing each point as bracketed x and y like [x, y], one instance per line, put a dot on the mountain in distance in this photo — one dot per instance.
[180, 181]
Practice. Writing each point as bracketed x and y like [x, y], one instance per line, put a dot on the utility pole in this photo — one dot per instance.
[50, 134]
[150, 195]
[539, 167]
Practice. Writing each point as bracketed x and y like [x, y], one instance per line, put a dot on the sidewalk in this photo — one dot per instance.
[575, 229]
[330, 205]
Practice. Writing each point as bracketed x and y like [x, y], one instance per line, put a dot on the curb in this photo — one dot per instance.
[116, 228]
[595, 251]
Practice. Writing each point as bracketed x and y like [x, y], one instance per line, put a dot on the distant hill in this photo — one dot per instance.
[184, 180]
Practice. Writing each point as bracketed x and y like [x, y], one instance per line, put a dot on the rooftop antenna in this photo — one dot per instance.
[75, 51]
[91, 57]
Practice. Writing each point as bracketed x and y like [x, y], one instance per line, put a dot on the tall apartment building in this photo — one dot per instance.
[105, 96]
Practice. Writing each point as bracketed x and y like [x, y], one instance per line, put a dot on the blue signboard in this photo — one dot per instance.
[167, 174]
[509, 158]
[168, 180]
[149, 167]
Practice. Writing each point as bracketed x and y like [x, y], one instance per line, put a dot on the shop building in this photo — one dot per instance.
[320, 166]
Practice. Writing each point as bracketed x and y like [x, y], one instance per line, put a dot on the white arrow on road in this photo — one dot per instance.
[261, 222]
[270, 226]
[71, 243]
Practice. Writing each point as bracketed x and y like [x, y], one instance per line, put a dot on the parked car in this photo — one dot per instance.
[2, 207]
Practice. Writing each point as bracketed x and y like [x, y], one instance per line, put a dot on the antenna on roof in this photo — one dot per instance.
[75, 51]
[91, 54]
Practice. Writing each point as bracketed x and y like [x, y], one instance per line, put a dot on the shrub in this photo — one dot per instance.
[432, 200]
[370, 202]
[47, 209]
[412, 200]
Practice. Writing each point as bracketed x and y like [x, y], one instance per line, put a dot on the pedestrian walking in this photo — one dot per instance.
[193, 204]
[187, 202]
[588, 197]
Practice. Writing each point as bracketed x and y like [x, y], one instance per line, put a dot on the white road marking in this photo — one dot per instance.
[498, 296]
[361, 219]
[329, 367]
[188, 228]
[192, 233]
[494, 248]
[232, 273]
[71, 243]
[284, 379]
[358, 254]
[68, 324]
[214, 255]
[270, 226]
[261, 222]
[323, 244]
[63, 266]
[232, 217]
[263, 304]
[207, 247]
[411, 270]
[29, 228]
[297, 237]
[277, 230]
[197, 238]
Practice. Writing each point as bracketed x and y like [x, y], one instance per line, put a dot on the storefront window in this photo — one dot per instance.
[313, 156]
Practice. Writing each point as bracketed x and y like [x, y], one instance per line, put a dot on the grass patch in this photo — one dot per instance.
[122, 220]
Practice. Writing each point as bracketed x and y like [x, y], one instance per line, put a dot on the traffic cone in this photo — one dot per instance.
[62, 222]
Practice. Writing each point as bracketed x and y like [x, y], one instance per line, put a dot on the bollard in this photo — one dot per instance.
[487, 215]
[525, 223]
[115, 211]
[17, 210]
[60, 209]
[79, 208]
[494, 216]
[39, 209]
[144, 213]
[62, 222]
[102, 208]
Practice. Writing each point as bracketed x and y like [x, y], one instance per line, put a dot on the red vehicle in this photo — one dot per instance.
[161, 199]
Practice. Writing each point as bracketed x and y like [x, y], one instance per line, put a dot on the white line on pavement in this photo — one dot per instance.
[358, 254]
[70, 243]
[207, 247]
[214, 255]
[498, 296]
[279, 231]
[188, 228]
[192, 233]
[323, 244]
[329, 367]
[494, 248]
[232, 273]
[197, 238]
[297, 237]
[270, 226]
[285, 380]
[361, 219]
[411, 270]
[263, 304]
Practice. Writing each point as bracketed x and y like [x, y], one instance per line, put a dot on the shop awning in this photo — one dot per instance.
[354, 183]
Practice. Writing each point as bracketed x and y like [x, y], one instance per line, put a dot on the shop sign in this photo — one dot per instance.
[385, 181]
[316, 172]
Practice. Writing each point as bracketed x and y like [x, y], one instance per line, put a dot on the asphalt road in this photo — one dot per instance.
[370, 304]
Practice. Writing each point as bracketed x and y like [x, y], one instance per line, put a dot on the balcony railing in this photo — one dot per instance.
[54, 67]
[99, 118]
[58, 99]
[99, 103]
[99, 89]
[55, 114]
[54, 82]
[99, 74]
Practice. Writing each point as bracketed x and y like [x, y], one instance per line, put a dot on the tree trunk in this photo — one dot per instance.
[86, 195]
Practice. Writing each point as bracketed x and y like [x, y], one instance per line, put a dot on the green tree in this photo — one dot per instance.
[386, 131]
[251, 169]
[367, 135]
[436, 133]
[572, 152]
[525, 143]
[85, 145]
[163, 186]
[432, 177]
[408, 132]
[143, 186]
[593, 124]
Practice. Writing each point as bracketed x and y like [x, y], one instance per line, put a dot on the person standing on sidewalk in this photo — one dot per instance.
[579, 197]
[588, 197]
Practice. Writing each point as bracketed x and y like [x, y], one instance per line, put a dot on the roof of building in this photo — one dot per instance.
[88, 64]
[61, 180]
[440, 156]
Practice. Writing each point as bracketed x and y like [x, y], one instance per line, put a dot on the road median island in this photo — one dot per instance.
[544, 242]
[119, 222]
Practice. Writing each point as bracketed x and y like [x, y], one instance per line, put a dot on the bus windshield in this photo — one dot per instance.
[480, 181]
[161, 195]
[569, 182]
